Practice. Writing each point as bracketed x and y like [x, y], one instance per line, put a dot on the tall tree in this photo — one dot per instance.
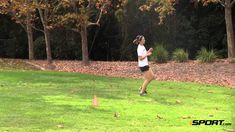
[128, 17]
[47, 9]
[22, 12]
[77, 15]
[227, 4]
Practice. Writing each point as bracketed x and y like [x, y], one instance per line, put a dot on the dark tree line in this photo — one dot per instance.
[190, 27]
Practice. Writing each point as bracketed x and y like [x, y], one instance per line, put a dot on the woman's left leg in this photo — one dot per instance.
[148, 77]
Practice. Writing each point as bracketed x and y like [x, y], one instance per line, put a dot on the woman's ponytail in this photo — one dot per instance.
[138, 39]
[135, 41]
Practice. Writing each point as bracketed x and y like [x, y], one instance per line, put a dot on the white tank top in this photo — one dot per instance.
[141, 50]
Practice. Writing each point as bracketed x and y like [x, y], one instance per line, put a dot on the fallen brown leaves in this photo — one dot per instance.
[221, 72]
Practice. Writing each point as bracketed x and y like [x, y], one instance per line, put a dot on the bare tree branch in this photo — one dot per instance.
[89, 4]
[222, 3]
[37, 29]
[100, 15]
[92, 24]
[22, 25]
[41, 15]
[232, 2]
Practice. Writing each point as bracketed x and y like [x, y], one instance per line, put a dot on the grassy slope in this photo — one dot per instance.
[13, 64]
[39, 101]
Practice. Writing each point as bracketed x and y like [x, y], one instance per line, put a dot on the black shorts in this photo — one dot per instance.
[144, 68]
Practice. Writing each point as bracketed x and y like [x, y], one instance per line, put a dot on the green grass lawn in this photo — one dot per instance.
[49, 101]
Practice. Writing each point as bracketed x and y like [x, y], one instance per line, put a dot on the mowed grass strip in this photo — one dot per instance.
[57, 101]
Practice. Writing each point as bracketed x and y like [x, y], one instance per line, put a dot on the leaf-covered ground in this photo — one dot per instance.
[220, 73]
[15, 64]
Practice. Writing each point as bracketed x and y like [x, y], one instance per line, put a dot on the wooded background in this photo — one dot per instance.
[109, 38]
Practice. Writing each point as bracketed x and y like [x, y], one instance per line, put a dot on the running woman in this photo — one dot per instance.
[143, 63]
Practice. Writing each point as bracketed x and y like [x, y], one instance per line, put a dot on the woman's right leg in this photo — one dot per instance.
[144, 86]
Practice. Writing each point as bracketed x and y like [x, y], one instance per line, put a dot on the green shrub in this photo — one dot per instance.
[160, 54]
[206, 56]
[180, 55]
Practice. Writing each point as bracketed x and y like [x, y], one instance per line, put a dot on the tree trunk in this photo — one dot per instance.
[48, 45]
[124, 42]
[229, 29]
[44, 20]
[30, 40]
[85, 55]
